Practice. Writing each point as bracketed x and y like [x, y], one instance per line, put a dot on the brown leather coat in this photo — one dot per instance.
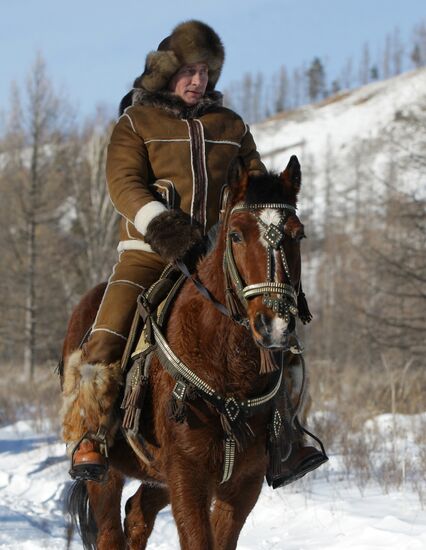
[162, 150]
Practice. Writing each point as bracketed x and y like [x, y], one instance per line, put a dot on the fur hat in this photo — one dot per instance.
[190, 42]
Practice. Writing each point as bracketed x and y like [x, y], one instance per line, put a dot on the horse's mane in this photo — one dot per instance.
[212, 236]
[269, 188]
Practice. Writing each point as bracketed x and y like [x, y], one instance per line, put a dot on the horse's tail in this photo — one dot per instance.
[81, 515]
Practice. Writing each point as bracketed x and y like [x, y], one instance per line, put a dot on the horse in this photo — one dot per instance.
[258, 240]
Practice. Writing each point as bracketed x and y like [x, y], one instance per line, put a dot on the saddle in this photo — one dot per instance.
[154, 303]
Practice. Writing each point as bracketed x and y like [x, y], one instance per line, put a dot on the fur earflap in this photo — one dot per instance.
[159, 68]
[89, 395]
[190, 42]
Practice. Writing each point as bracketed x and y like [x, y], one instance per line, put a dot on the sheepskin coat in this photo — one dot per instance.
[163, 153]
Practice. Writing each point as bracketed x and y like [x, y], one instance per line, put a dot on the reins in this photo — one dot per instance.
[203, 290]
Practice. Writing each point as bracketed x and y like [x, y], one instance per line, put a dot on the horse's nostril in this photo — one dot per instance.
[262, 324]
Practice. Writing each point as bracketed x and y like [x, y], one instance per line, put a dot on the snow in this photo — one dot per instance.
[324, 511]
[348, 142]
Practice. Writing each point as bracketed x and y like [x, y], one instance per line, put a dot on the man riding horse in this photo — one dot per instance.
[175, 139]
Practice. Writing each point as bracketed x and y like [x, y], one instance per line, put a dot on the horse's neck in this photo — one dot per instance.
[228, 357]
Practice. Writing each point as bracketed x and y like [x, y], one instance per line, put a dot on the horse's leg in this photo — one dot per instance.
[141, 510]
[190, 497]
[234, 502]
[105, 503]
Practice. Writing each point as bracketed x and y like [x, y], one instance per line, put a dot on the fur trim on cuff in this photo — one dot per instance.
[147, 213]
[172, 236]
[89, 395]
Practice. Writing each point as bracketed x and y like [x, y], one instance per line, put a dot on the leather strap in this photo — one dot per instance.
[202, 289]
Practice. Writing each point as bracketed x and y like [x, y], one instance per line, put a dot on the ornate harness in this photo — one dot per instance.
[233, 412]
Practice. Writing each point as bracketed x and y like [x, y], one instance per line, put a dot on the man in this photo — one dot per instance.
[174, 137]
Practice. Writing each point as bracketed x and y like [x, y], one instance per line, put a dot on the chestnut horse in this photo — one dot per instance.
[186, 459]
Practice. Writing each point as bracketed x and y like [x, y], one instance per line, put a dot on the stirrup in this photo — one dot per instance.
[88, 470]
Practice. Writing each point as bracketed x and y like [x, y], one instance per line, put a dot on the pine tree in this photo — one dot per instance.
[316, 80]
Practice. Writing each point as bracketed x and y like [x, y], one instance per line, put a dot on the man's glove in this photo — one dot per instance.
[172, 236]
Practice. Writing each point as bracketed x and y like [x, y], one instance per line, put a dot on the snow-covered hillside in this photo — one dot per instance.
[323, 512]
[349, 141]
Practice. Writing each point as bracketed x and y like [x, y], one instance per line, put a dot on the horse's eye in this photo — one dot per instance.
[236, 237]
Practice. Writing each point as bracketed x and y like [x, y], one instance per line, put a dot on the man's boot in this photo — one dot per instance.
[299, 460]
[302, 460]
[89, 420]
[88, 463]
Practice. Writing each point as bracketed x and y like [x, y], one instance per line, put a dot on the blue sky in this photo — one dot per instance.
[95, 48]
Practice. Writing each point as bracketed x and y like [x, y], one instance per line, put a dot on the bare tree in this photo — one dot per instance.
[282, 91]
[91, 216]
[397, 52]
[347, 74]
[364, 66]
[386, 59]
[247, 98]
[418, 52]
[297, 88]
[31, 180]
[257, 106]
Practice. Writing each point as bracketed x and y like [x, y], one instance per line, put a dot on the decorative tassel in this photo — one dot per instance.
[177, 410]
[177, 405]
[232, 305]
[132, 404]
[302, 305]
[240, 431]
[267, 362]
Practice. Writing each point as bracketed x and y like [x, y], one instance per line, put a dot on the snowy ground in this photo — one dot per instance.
[324, 512]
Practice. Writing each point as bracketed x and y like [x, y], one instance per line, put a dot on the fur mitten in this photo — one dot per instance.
[173, 237]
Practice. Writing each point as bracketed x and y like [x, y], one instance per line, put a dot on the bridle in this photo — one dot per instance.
[284, 302]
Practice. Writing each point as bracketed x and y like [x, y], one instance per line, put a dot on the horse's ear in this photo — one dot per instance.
[292, 176]
[238, 181]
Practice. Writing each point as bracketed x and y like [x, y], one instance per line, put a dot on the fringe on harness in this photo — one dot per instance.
[267, 362]
[240, 431]
[134, 395]
[178, 404]
[133, 403]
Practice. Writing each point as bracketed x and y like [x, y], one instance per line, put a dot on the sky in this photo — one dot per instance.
[95, 48]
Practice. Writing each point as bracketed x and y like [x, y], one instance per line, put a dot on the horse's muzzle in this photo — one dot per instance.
[271, 333]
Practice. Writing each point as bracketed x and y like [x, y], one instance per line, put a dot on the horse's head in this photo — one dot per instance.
[262, 257]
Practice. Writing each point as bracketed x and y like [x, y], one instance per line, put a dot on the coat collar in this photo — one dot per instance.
[175, 105]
